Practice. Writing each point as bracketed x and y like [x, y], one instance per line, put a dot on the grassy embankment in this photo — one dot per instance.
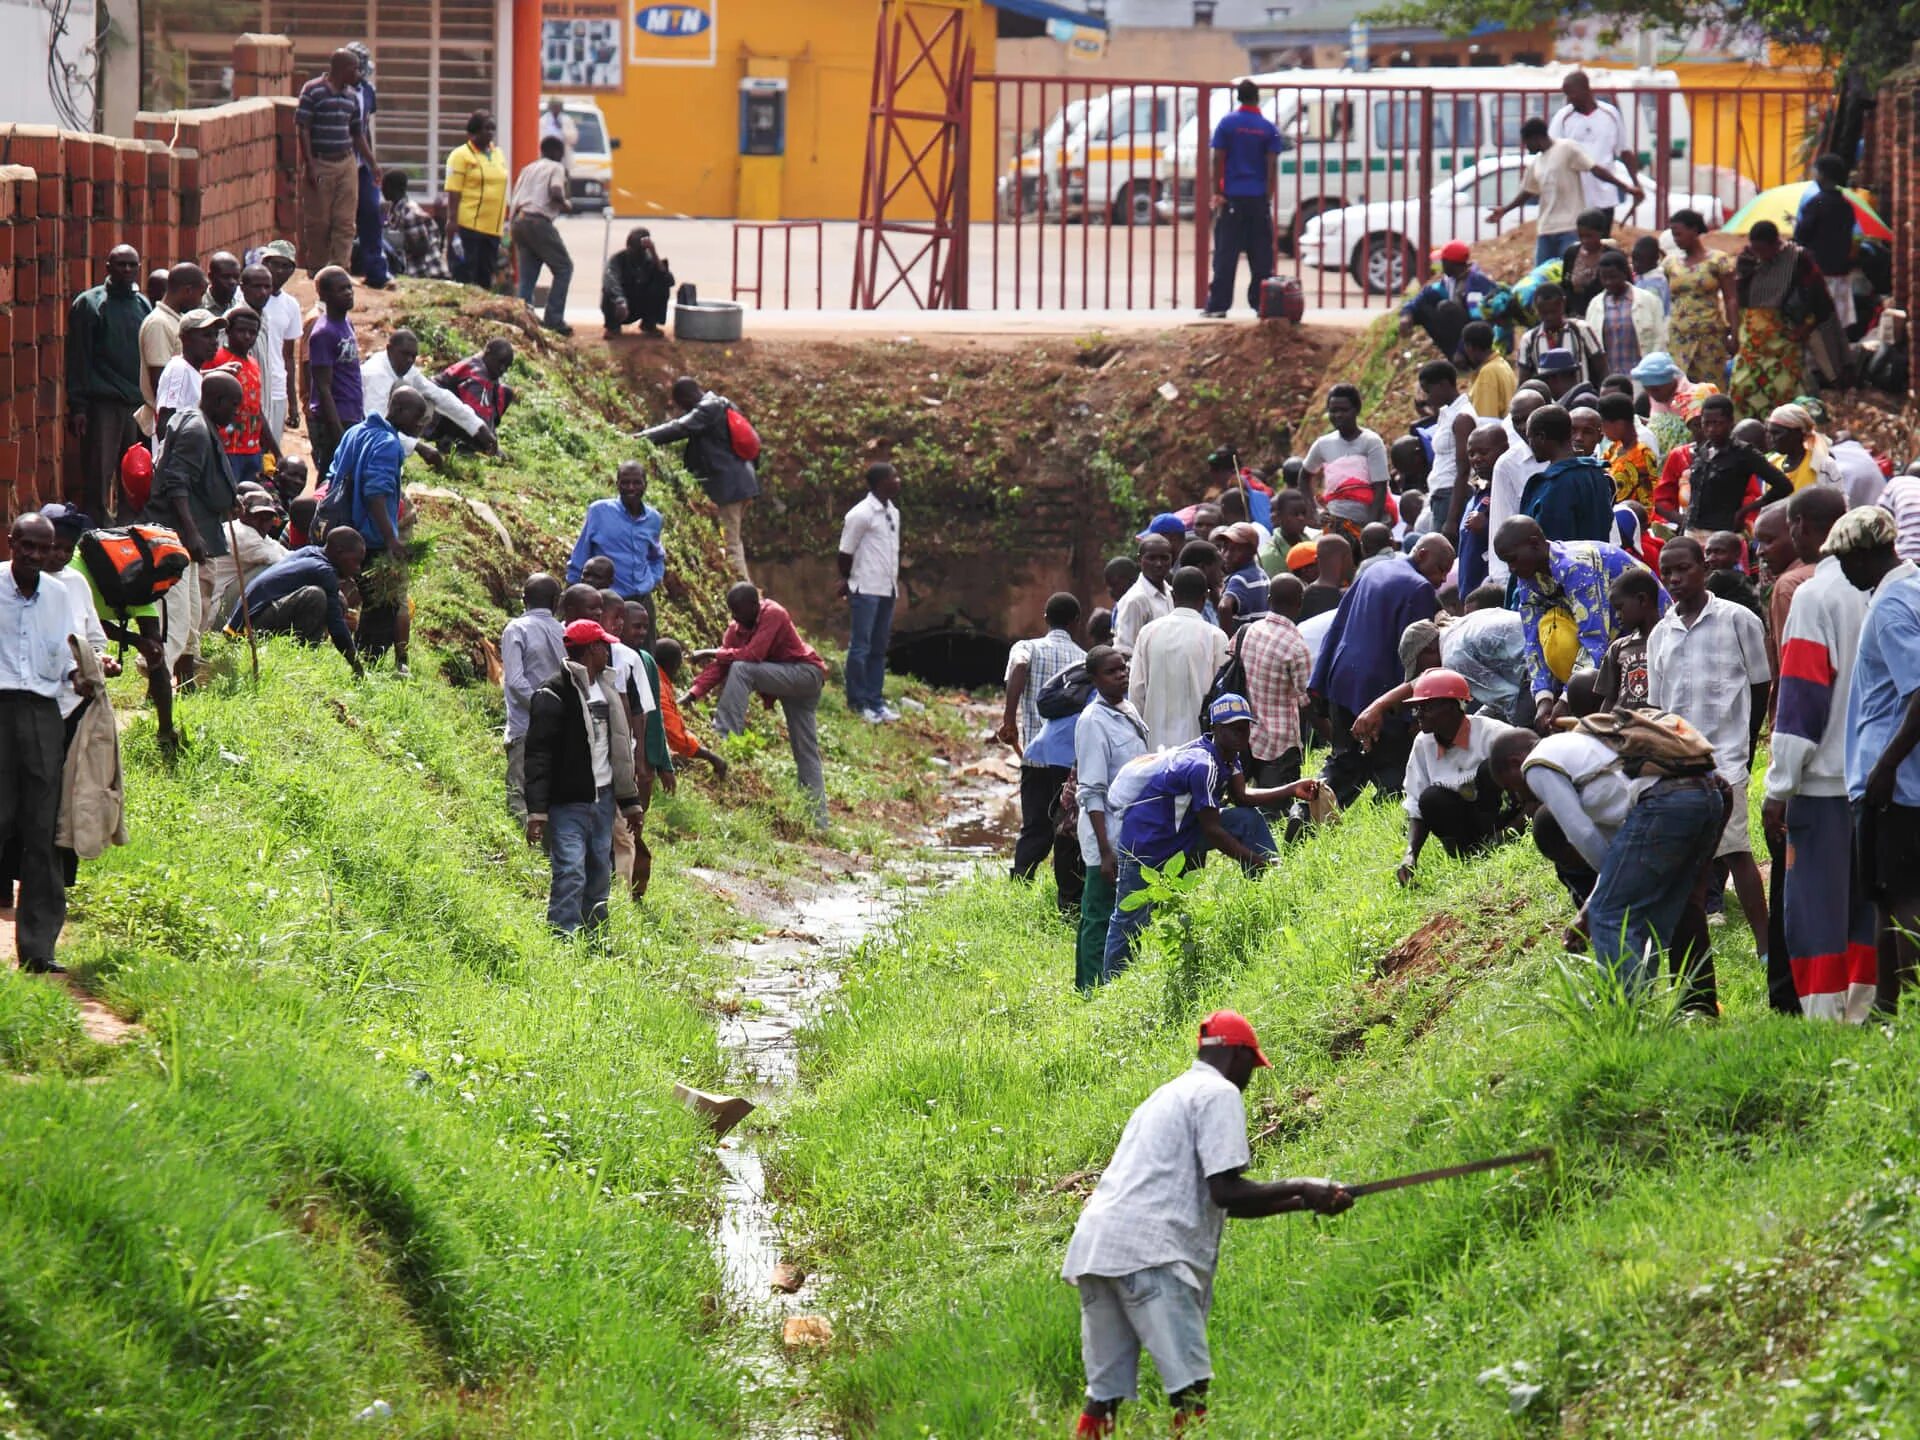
[1725, 1245]
[380, 1137]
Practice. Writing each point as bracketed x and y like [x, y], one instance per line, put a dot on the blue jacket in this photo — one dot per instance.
[1572, 499]
[632, 542]
[368, 460]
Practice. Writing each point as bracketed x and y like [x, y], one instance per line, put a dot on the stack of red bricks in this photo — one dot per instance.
[1895, 175]
[262, 66]
[196, 182]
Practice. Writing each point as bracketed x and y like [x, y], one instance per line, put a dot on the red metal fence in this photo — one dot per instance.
[1096, 181]
[759, 285]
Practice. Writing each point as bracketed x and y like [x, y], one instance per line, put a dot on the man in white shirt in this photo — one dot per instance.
[280, 329]
[1707, 663]
[870, 580]
[1557, 176]
[1597, 128]
[399, 365]
[1860, 474]
[557, 124]
[68, 526]
[36, 665]
[1147, 598]
[1511, 472]
[1454, 420]
[1451, 793]
[178, 387]
[1146, 1246]
[256, 551]
[539, 198]
[1174, 662]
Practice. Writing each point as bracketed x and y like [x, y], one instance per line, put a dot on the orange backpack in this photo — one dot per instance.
[134, 565]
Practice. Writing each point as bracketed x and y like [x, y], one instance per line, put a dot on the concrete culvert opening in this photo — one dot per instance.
[950, 656]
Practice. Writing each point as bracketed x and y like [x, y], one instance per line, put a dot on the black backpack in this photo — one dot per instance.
[1229, 679]
[1066, 693]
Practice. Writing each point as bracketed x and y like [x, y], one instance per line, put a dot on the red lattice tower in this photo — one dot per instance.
[913, 188]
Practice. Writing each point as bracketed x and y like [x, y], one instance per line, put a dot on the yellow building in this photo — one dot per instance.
[672, 81]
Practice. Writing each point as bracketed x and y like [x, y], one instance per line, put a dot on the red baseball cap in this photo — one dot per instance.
[1230, 1027]
[1455, 250]
[586, 632]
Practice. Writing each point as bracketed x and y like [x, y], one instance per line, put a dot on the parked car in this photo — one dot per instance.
[1355, 137]
[1100, 157]
[1377, 243]
[589, 152]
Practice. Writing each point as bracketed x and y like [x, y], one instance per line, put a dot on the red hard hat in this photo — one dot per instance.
[1230, 1027]
[1441, 685]
[1455, 251]
[136, 475]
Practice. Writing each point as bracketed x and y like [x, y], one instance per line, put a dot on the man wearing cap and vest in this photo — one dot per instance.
[579, 768]
[1171, 803]
[1451, 793]
[1246, 155]
[1145, 1249]
[1444, 307]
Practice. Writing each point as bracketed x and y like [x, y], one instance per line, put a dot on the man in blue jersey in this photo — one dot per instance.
[1246, 154]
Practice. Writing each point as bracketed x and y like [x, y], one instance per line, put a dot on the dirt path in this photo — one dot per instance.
[102, 1026]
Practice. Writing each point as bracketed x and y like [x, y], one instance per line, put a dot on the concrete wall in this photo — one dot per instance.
[25, 34]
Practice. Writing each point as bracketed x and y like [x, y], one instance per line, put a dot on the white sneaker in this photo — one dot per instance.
[873, 717]
[887, 713]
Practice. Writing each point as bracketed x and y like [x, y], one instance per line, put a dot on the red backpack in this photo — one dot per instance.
[741, 434]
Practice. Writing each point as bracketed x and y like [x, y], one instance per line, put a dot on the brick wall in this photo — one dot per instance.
[191, 182]
[1894, 171]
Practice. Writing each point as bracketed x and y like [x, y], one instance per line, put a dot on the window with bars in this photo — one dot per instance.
[433, 62]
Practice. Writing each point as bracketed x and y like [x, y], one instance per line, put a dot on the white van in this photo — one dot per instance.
[589, 151]
[1100, 156]
[1352, 134]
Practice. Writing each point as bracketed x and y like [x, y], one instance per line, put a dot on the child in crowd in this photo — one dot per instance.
[1646, 270]
[1726, 571]
[669, 656]
[598, 572]
[1636, 607]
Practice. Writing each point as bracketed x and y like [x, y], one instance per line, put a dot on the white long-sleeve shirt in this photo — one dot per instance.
[86, 626]
[1174, 661]
[377, 382]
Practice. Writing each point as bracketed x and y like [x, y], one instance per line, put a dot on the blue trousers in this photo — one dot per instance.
[1244, 227]
[1243, 822]
[1552, 245]
[872, 626]
[580, 853]
[1650, 871]
[367, 232]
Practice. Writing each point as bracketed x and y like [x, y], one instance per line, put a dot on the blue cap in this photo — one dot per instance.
[1657, 369]
[67, 518]
[1229, 708]
[1555, 362]
[1165, 523]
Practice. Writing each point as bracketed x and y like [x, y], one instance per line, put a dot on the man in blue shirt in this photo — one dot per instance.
[1359, 661]
[1883, 731]
[1246, 151]
[626, 530]
[1572, 499]
[368, 463]
[300, 595]
[1172, 803]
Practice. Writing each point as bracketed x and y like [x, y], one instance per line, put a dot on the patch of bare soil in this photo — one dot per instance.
[101, 1025]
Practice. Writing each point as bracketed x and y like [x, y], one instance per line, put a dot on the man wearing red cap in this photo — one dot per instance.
[1445, 306]
[1145, 1249]
[579, 767]
[1451, 793]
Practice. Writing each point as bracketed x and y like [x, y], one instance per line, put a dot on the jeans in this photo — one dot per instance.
[480, 257]
[1244, 226]
[537, 242]
[1552, 244]
[797, 686]
[872, 624]
[1039, 806]
[580, 852]
[111, 432]
[373, 240]
[1649, 874]
[1244, 823]
[247, 467]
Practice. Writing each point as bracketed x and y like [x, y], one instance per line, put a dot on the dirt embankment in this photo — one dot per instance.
[1027, 463]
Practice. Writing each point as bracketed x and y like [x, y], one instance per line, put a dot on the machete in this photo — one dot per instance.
[1449, 1172]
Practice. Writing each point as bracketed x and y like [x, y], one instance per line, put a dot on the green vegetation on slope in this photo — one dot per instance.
[1722, 1191]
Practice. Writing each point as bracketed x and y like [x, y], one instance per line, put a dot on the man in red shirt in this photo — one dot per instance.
[246, 440]
[762, 654]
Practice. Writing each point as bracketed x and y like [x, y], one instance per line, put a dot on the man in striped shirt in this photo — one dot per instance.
[332, 140]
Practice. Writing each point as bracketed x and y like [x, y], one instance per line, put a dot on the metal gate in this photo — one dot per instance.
[433, 64]
[1100, 187]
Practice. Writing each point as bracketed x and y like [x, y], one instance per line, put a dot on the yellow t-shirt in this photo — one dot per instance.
[1492, 387]
[478, 181]
[1802, 475]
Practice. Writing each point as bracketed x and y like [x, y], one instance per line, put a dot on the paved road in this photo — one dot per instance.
[1034, 272]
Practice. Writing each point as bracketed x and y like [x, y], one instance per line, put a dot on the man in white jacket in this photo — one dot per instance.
[399, 366]
[1630, 322]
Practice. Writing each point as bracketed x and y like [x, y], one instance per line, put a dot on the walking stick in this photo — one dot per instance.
[246, 614]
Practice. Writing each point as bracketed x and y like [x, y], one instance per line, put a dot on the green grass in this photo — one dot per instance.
[1722, 1192]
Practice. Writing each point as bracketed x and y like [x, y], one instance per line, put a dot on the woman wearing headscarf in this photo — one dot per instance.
[1782, 302]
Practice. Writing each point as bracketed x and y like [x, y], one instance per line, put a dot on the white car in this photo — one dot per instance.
[1377, 243]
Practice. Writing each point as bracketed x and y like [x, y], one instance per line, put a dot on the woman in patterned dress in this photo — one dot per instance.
[1782, 302]
[1706, 304]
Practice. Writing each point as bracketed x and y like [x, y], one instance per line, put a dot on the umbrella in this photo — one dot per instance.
[1782, 204]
